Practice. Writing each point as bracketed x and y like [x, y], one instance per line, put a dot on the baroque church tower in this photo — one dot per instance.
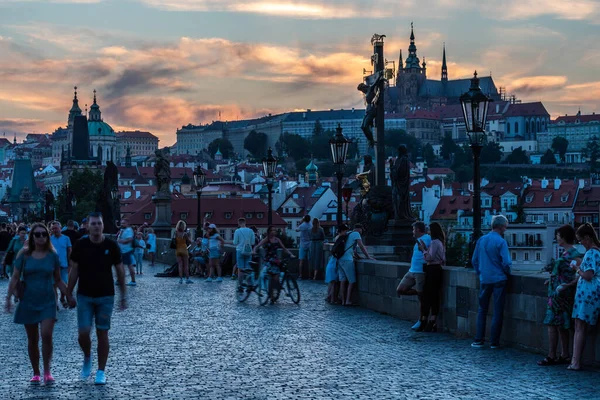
[411, 75]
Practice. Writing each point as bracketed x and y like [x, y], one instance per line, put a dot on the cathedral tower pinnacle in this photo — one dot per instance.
[444, 66]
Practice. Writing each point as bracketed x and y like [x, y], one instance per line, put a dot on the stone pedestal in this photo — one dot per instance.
[162, 222]
[399, 236]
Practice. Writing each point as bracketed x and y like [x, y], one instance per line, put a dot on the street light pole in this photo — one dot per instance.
[270, 201]
[339, 149]
[269, 167]
[340, 175]
[476, 149]
[199, 180]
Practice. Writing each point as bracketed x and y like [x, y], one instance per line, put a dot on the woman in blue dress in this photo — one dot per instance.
[587, 297]
[38, 266]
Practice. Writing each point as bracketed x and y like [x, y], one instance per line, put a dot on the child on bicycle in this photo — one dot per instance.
[272, 262]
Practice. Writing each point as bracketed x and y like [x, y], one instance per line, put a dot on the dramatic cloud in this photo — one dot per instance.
[536, 84]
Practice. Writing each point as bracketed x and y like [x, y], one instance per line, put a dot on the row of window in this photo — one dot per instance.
[538, 256]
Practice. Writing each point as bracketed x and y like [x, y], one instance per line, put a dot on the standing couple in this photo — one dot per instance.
[37, 270]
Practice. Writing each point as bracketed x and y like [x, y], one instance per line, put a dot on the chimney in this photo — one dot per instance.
[557, 183]
[544, 183]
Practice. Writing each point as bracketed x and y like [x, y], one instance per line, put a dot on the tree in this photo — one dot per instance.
[256, 144]
[395, 137]
[592, 154]
[548, 158]
[85, 185]
[319, 145]
[221, 144]
[491, 153]
[463, 156]
[518, 156]
[294, 146]
[429, 155]
[318, 129]
[457, 250]
[449, 146]
[560, 146]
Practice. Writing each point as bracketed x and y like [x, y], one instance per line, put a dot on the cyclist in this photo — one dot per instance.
[272, 262]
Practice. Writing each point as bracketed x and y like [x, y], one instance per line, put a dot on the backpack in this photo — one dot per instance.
[339, 247]
[247, 248]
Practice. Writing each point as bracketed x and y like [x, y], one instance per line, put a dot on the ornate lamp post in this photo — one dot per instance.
[199, 180]
[475, 108]
[269, 166]
[347, 194]
[339, 149]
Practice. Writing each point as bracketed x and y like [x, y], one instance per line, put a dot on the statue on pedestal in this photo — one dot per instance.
[400, 176]
[372, 91]
[162, 172]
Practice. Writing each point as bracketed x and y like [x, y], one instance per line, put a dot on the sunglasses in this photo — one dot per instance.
[40, 234]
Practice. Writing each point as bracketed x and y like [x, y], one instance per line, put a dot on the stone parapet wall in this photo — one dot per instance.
[524, 312]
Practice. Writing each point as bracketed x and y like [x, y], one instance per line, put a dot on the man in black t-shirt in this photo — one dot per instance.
[5, 238]
[92, 260]
[71, 232]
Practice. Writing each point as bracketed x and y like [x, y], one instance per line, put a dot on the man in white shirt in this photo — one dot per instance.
[244, 240]
[303, 251]
[347, 270]
[125, 241]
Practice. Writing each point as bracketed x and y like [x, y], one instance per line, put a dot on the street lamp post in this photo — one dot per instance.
[339, 149]
[199, 180]
[114, 195]
[475, 108]
[347, 194]
[269, 166]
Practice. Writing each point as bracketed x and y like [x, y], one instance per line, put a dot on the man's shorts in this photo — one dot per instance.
[64, 274]
[347, 271]
[414, 279]
[94, 308]
[214, 253]
[127, 258]
[243, 262]
[303, 253]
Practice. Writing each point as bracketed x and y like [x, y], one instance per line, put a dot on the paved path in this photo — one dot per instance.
[195, 341]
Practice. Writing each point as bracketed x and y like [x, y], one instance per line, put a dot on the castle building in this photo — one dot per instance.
[413, 90]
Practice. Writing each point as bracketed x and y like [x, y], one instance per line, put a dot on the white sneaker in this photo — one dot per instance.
[86, 370]
[416, 326]
[100, 378]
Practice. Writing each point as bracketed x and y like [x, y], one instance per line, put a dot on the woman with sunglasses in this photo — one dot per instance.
[38, 266]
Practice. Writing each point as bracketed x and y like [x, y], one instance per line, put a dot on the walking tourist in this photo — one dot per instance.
[71, 232]
[140, 247]
[83, 228]
[215, 245]
[151, 244]
[317, 238]
[304, 250]
[125, 240]
[5, 238]
[413, 282]
[272, 244]
[346, 267]
[492, 263]
[587, 296]
[36, 272]
[15, 245]
[62, 246]
[244, 240]
[561, 294]
[435, 256]
[182, 241]
[91, 265]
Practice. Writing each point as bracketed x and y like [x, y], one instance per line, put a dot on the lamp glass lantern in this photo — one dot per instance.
[269, 164]
[347, 193]
[114, 192]
[339, 145]
[199, 177]
[475, 105]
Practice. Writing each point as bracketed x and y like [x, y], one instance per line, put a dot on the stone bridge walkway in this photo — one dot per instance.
[196, 341]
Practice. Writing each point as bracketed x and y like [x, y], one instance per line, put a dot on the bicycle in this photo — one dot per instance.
[248, 284]
[286, 283]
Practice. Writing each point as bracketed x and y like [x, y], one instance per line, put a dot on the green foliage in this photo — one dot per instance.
[395, 137]
[429, 155]
[221, 144]
[318, 129]
[256, 144]
[457, 250]
[86, 185]
[548, 158]
[463, 174]
[592, 154]
[518, 156]
[319, 145]
[449, 146]
[294, 146]
[327, 168]
[560, 146]
[491, 153]
[352, 150]
[462, 157]
[301, 164]
[518, 208]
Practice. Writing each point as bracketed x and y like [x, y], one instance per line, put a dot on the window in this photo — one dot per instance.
[260, 215]
[147, 215]
[526, 256]
[516, 127]
[183, 216]
[249, 215]
[538, 256]
[227, 215]
[513, 256]
[289, 225]
[555, 217]
[208, 215]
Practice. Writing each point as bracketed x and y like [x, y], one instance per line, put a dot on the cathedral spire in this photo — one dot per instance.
[74, 111]
[95, 114]
[412, 61]
[444, 66]
[400, 62]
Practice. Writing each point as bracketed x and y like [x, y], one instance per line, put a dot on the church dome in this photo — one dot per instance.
[96, 126]
[311, 167]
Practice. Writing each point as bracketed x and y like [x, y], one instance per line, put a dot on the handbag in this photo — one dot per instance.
[247, 250]
[173, 243]
[148, 246]
[9, 257]
[20, 288]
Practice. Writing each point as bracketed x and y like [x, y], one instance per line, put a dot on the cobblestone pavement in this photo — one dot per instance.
[197, 341]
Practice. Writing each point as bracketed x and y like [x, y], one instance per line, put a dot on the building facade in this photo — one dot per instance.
[577, 129]
[139, 143]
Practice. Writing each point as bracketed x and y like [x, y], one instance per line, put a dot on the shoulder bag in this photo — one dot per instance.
[20, 289]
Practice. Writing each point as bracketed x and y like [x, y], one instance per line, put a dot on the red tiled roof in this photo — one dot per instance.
[449, 206]
[588, 200]
[563, 197]
[177, 173]
[127, 172]
[304, 200]
[439, 171]
[498, 189]
[571, 119]
[4, 142]
[526, 109]
[135, 134]
[220, 208]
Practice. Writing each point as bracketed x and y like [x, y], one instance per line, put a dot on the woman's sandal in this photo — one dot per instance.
[570, 368]
[563, 360]
[546, 362]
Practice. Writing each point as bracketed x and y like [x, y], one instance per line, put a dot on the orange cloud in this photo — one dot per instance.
[534, 84]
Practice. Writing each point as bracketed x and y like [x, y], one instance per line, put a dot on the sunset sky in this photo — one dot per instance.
[161, 64]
